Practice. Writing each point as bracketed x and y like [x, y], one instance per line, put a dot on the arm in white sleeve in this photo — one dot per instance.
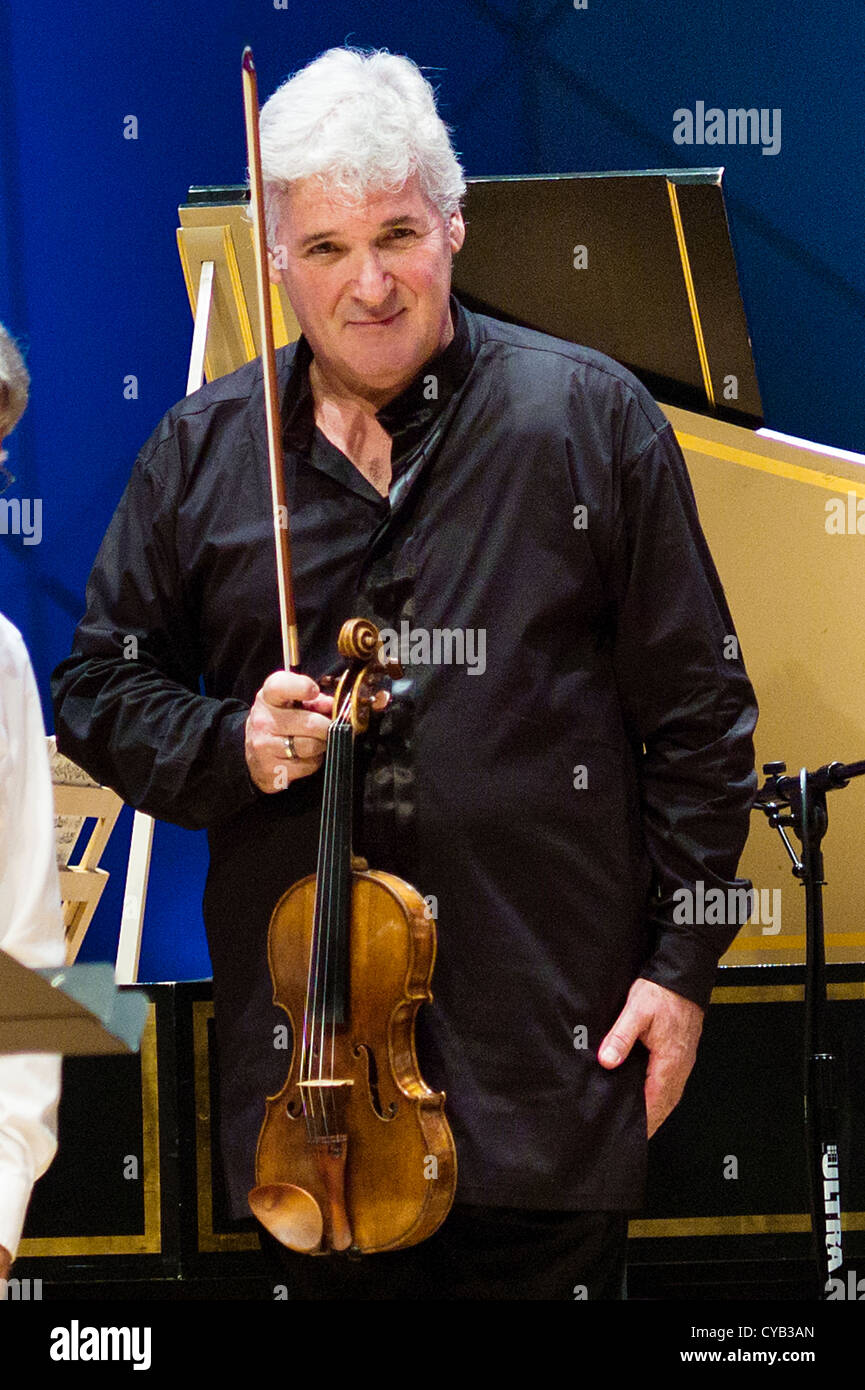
[31, 928]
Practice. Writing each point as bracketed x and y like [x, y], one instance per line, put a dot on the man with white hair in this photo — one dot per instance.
[444, 471]
[31, 928]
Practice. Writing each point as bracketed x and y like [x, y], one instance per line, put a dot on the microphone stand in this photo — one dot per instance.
[804, 797]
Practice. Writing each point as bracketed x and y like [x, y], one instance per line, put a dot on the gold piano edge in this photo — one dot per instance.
[767, 462]
[783, 994]
[209, 1240]
[148, 1241]
[39, 1246]
[770, 1224]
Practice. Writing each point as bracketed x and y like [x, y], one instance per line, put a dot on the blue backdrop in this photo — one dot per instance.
[90, 281]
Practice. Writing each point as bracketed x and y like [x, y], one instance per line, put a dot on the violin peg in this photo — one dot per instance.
[376, 702]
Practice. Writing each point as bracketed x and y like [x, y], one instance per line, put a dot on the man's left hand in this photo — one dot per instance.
[669, 1026]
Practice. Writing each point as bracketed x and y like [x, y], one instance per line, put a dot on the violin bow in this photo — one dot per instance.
[287, 619]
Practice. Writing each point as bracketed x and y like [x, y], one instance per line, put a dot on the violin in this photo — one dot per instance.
[355, 1153]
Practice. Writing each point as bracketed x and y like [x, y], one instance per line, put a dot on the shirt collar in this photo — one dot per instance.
[408, 417]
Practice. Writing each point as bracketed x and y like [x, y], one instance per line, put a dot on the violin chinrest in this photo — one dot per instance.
[289, 1213]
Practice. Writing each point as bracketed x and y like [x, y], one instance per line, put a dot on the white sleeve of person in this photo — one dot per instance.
[31, 928]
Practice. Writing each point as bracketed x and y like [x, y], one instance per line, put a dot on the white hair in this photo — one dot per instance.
[14, 384]
[358, 121]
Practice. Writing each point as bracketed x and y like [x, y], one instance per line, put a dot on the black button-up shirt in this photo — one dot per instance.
[570, 745]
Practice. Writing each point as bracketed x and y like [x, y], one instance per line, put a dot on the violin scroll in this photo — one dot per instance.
[358, 639]
[360, 644]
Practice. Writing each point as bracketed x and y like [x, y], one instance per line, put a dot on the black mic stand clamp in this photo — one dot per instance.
[803, 798]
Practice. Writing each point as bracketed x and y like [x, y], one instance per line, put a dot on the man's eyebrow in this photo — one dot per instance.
[405, 221]
[400, 221]
[316, 236]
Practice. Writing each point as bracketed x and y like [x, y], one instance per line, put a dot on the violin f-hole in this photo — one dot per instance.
[363, 1050]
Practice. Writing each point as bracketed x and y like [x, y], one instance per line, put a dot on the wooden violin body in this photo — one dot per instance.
[355, 1151]
[382, 1170]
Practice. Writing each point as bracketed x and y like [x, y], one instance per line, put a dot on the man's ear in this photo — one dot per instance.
[456, 231]
[275, 257]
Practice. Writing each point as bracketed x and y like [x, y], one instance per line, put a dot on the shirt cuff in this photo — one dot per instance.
[684, 964]
[15, 1189]
[232, 755]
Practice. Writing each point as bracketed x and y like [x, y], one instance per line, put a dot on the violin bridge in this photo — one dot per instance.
[326, 1081]
[324, 1105]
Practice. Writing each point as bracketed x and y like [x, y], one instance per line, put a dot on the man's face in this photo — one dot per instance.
[369, 282]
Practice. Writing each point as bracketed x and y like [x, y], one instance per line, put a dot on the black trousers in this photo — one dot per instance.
[478, 1252]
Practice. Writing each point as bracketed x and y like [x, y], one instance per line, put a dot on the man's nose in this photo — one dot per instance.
[373, 283]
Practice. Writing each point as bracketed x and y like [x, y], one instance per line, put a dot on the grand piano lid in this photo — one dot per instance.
[638, 265]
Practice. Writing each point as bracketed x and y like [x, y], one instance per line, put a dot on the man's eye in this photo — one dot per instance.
[323, 246]
[402, 233]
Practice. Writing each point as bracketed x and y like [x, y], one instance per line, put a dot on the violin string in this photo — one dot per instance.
[345, 888]
[327, 887]
[317, 980]
[334, 911]
[337, 905]
[323, 934]
[312, 992]
[345, 908]
[310, 1003]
